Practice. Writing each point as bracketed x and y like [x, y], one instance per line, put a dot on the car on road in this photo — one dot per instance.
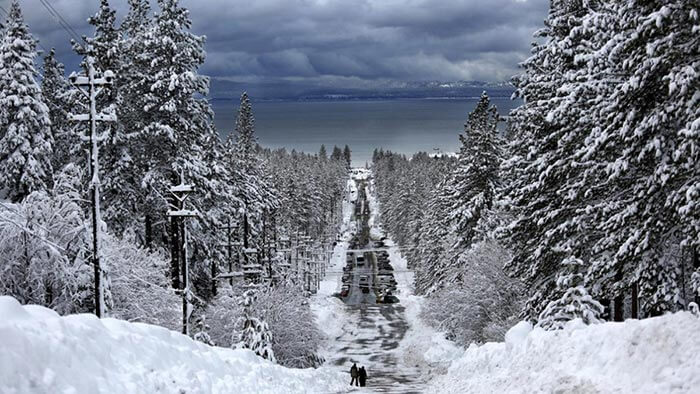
[364, 279]
[390, 299]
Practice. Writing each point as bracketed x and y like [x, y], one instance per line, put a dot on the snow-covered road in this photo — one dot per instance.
[387, 339]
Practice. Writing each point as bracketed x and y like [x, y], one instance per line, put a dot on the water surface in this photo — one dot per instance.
[404, 126]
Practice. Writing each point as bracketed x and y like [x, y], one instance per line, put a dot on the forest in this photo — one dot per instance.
[250, 200]
[465, 271]
[584, 204]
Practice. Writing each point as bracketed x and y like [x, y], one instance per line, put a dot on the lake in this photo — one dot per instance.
[404, 126]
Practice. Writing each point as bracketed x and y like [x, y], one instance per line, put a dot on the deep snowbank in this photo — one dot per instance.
[658, 355]
[41, 352]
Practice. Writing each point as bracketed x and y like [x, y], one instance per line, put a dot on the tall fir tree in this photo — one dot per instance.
[647, 149]
[25, 133]
[347, 156]
[474, 180]
[546, 189]
[55, 90]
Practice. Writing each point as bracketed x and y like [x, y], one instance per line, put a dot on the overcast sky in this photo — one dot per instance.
[336, 42]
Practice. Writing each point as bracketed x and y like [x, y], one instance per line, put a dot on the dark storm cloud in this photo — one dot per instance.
[339, 41]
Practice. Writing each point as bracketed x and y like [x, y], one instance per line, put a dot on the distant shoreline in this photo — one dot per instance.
[363, 98]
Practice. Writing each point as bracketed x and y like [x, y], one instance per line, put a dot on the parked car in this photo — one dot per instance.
[390, 299]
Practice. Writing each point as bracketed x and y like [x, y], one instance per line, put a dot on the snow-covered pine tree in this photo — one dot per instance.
[337, 153]
[546, 189]
[25, 133]
[255, 334]
[122, 178]
[648, 146]
[105, 42]
[434, 243]
[55, 88]
[135, 22]
[574, 303]
[248, 171]
[474, 180]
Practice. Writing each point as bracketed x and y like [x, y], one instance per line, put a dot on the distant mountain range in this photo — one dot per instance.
[290, 91]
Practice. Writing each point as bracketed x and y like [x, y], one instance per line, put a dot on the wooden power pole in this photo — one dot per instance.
[90, 84]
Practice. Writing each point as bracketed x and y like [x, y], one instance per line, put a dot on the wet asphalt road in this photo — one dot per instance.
[374, 330]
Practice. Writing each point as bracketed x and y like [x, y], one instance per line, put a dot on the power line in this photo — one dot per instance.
[61, 21]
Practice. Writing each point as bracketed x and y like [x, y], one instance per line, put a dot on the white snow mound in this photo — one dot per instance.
[42, 352]
[656, 355]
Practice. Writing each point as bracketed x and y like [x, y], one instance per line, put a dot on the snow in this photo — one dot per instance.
[329, 311]
[423, 347]
[656, 355]
[518, 333]
[46, 353]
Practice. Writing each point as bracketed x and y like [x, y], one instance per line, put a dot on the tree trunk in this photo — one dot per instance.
[619, 301]
[148, 237]
[619, 308]
[635, 300]
[696, 266]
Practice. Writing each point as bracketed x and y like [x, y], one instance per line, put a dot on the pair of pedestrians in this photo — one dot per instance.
[359, 376]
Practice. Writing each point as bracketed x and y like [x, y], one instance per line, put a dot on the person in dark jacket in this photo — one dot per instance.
[363, 376]
[354, 373]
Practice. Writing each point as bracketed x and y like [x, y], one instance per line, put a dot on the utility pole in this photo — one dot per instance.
[90, 84]
[181, 192]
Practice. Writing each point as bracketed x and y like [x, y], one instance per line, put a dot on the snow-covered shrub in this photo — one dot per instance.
[201, 331]
[575, 303]
[43, 249]
[139, 286]
[481, 302]
[295, 336]
[222, 314]
[255, 334]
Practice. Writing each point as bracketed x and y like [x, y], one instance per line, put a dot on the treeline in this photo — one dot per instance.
[593, 189]
[164, 130]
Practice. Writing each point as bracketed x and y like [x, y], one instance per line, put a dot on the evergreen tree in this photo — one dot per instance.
[248, 173]
[122, 178]
[546, 187]
[337, 154]
[136, 22]
[647, 149]
[55, 90]
[346, 156]
[475, 177]
[255, 335]
[25, 134]
[575, 302]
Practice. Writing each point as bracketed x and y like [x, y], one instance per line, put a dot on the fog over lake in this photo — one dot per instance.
[405, 126]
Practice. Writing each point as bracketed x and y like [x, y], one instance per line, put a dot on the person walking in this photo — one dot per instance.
[362, 376]
[354, 373]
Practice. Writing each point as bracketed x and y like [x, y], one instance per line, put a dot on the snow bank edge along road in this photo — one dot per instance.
[42, 352]
[656, 355]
